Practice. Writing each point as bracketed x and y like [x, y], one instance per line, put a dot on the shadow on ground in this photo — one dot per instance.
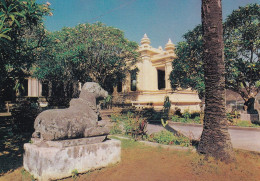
[11, 145]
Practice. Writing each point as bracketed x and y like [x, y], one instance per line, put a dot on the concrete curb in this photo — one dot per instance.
[152, 144]
[200, 125]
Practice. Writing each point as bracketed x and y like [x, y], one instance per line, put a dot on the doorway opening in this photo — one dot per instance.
[161, 79]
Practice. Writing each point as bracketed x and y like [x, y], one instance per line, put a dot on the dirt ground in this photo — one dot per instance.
[141, 162]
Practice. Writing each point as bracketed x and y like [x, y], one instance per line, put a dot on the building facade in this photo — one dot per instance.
[150, 84]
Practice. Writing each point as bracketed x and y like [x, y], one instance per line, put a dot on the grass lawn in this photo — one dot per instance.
[140, 162]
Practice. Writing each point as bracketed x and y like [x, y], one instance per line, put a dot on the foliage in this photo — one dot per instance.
[163, 137]
[187, 118]
[167, 138]
[186, 115]
[21, 33]
[117, 121]
[129, 124]
[24, 114]
[74, 173]
[11, 146]
[58, 102]
[150, 114]
[242, 43]
[188, 67]
[27, 176]
[87, 52]
[231, 116]
[242, 50]
[107, 102]
[241, 123]
[175, 118]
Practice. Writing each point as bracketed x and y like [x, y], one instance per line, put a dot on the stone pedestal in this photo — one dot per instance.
[47, 161]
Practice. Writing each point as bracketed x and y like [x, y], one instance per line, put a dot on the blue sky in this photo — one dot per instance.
[159, 19]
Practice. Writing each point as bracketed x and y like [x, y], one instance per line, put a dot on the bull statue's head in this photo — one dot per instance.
[95, 88]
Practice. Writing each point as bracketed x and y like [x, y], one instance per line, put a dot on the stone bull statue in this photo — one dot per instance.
[80, 120]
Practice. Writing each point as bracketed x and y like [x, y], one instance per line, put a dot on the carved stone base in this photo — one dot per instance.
[47, 162]
[67, 143]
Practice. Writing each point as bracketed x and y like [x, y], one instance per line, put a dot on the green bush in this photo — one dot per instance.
[129, 124]
[150, 114]
[245, 124]
[197, 120]
[168, 138]
[24, 114]
[116, 129]
[163, 137]
[187, 118]
[175, 118]
[182, 141]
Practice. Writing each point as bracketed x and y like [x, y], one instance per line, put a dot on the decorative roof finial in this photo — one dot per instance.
[170, 46]
[145, 40]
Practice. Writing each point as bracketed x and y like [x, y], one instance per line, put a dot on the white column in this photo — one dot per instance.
[168, 69]
[40, 89]
[34, 87]
[29, 87]
[146, 77]
[127, 83]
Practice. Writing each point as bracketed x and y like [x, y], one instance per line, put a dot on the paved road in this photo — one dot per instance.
[245, 138]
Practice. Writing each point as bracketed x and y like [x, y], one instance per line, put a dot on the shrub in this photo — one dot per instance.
[245, 124]
[197, 120]
[163, 137]
[168, 138]
[116, 129]
[24, 114]
[175, 118]
[186, 118]
[182, 141]
[150, 114]
[74, 173]
[186, 115]
[60, 102]
[129, 124]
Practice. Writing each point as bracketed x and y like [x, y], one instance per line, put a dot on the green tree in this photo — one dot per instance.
[87, 52]
[215, 140]
[242, 52]
[21, 33]
[241, 39]
[188, 67]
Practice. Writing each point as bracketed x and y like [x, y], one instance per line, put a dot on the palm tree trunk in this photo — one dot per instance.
[215, 140]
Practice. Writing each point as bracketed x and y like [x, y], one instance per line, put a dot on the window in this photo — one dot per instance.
[133, 80]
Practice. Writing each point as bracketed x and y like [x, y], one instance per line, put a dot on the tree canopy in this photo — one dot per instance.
[242, 50]
[242, 44]
[21, 33]
[87, 52]
[188, 67]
